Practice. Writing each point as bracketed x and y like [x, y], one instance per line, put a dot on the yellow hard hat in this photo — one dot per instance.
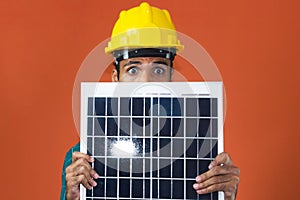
[144, 27]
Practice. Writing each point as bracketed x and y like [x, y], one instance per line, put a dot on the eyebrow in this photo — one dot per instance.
[161, 62]
[132, 63]
[139, 62]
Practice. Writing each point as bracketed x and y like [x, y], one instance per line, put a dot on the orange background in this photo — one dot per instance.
[255, 45]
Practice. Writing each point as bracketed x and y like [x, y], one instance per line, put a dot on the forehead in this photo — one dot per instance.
[145, 60]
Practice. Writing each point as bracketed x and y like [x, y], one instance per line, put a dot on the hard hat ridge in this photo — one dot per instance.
[143, 27]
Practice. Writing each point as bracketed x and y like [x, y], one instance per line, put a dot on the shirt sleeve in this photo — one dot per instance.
[67, 162]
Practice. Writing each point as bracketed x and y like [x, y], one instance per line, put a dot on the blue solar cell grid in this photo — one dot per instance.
[175, 139]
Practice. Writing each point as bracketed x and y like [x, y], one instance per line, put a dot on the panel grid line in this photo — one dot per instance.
[130, 160]
[158, 144]
[171, 152]
[184, 147]
[93, 134]
[105, 150]
[118, 159]
[144, 132]
[198, 122]
[151, 149]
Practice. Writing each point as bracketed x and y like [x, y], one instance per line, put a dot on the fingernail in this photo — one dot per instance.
[195, 186]
[198, 178]
[199, 191]
[210, 166]
[92, 159]
[94, 183]
[96, 176]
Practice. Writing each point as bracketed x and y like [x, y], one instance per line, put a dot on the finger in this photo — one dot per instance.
[227, 187]
[81, 179]
[214, 180]
[81, 166]
[75, 181]
[77, 164]
[88, 173]
[77, 155]
[217, 171]
[94, 174]
[221, 159]
[87, 168]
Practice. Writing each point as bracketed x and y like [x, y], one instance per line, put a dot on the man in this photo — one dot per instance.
[144, 44]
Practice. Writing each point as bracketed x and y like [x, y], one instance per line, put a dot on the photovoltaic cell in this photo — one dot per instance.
[150, 146]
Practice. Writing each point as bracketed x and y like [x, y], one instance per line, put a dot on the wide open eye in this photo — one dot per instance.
[159, 70]
[132, 70]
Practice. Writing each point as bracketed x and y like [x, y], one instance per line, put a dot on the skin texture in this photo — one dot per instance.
[222, 174]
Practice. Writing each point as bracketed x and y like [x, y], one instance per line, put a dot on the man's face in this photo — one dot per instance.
[144, 69]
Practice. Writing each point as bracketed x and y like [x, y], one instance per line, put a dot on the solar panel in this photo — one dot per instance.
[150, 140]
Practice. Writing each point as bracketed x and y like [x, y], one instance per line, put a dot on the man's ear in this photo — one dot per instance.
[114, 75]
